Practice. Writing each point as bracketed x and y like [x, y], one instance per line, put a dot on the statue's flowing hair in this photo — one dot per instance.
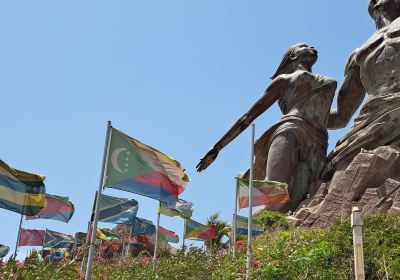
[371, 4]
[285, 67]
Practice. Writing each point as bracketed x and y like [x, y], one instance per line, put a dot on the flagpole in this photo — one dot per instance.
[123, 242]
[44, 240]
[18, 236]
[87, 243]
[96, 211]
[250, 221]
[234, 217]
[184, 235]
[156, 243]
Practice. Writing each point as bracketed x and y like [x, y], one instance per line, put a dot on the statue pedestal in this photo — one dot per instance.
[371, 182]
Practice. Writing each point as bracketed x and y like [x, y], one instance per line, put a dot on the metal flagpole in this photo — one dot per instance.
[250, 222]
[44, 240]
[123, 242]
[18, 236]
[87, 243]
[96, 210]
[234, 217]
[184, 235]
[156, 243]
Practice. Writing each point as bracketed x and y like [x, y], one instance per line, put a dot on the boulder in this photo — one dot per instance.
[371, 182]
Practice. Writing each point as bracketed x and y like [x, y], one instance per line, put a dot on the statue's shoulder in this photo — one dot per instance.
[303, 76]
[352, 61]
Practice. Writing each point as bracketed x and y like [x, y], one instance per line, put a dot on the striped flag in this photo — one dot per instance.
[195, 230]
[167, 235]
[107, 234]
[53, 239]
[31, 237]
[58, 253]
[138, 168]
[182, 208]
[20, 191]
[4, 250]
[264, 193]
[242, 225]
[55, 208]
[117, 210]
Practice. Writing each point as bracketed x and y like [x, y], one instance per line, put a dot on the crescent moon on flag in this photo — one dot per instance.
[114, 159]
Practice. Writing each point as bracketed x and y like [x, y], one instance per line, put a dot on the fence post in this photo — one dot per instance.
[357, 224]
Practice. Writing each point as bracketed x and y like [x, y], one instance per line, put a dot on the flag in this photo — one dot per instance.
[55, 208]
[58, 253]
[242, 227]
[138, 241]
[4, 250]
[53, 239]
[143, 226]
[80, 238]
[138, 168]
[117, 210]
[195, 230]
[20, 191]
[31, 237]
[264, 193]
[114, 244]
[105, 234]
[167, 235]
[182, 208]
[64, 244]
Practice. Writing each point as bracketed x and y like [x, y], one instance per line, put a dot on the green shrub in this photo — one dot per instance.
[280, 253]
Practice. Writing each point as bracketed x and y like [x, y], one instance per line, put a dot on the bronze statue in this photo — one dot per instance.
[374, 68]
[294, 149]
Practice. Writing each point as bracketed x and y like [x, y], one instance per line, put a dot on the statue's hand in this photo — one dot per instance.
[207, 160]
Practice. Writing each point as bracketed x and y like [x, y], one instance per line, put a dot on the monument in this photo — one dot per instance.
[364, 168]
[292, 151]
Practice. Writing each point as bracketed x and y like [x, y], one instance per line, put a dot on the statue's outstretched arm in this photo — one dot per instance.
[269, 97]
[350, 97]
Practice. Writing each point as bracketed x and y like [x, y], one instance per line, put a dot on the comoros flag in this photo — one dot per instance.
[55, 208]
[264, 193]
[20, 191]
[195, 230]
[138, 168]
[167, 235]
[242, 224]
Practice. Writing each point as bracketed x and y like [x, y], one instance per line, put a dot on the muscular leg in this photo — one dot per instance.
[281, 167]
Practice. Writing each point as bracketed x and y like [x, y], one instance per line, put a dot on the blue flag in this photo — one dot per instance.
[117, 210]
[143, 226]
[4, 250]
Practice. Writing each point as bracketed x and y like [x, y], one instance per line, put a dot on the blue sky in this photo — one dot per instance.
[173, 74]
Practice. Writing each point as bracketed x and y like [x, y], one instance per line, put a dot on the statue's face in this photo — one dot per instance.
[305, 52]
[376, 8]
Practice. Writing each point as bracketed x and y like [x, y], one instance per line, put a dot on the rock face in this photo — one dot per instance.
[371, 181]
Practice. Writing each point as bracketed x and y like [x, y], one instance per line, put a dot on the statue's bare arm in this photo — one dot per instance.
[269, 97]
[350, 97]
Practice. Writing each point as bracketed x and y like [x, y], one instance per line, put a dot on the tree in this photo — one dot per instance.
[222, 228]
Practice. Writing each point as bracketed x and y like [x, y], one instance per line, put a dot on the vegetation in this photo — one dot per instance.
[223, 230]
[281, 253]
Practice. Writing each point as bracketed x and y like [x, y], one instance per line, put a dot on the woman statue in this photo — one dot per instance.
[292, 151]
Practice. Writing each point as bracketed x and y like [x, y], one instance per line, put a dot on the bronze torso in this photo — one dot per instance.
[379, 61]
